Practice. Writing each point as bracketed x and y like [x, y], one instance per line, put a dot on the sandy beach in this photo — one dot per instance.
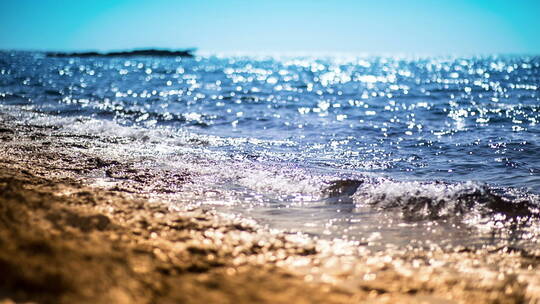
[66, 238]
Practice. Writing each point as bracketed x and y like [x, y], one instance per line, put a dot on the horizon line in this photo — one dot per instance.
[251, 53]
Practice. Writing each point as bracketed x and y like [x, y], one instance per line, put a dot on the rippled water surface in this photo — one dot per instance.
[375, 149]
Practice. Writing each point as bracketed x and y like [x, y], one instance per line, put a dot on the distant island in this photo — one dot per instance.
[142, 52]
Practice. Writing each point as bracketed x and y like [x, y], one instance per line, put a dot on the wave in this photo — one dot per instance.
[434, 200]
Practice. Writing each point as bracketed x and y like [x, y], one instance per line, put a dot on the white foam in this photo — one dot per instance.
[390, 191]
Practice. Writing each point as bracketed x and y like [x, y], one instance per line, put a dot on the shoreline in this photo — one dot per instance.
[66, 239]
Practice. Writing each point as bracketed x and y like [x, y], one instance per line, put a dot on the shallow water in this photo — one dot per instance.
[380, 150]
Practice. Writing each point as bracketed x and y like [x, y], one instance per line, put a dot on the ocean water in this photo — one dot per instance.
[378, 150]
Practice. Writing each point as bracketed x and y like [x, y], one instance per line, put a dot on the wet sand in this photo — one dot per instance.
[66, 239]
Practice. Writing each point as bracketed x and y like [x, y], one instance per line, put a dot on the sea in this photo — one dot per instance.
[377, 150]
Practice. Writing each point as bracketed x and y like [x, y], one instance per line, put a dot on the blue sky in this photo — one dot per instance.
[376, 27]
